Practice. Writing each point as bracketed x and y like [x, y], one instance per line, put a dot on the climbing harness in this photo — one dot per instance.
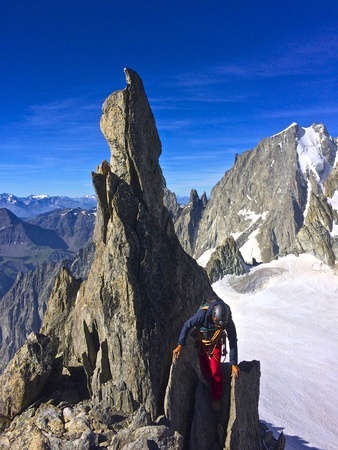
[208, 340]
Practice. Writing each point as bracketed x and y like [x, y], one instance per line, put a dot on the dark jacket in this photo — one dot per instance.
[203, 319]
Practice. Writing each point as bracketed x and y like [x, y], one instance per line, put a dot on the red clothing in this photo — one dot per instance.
[211, 368]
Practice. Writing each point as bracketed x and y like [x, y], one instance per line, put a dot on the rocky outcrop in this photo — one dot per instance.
[187, 223]
[170, 202]
[57, 419]
[250, 209]
[243, 423]
[124, 320]
[331, 183]
[26, 375]
[314, 236]
[225, 260]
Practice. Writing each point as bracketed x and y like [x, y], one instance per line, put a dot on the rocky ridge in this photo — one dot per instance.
[114, 333]
[275, 200]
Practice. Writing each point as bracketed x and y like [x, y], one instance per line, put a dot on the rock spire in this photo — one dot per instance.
[125, 319]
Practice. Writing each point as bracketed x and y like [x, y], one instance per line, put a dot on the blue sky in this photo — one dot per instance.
[219, 75]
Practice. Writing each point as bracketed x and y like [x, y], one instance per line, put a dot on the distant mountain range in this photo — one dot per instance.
[49, 237]
[26, 207]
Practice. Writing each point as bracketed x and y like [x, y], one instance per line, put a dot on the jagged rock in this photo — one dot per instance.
[237, 424]
[262, 201]
[127, 315]
[128, 125]
[243, 423]
[162, 437]
[26, 375]
[148, 437]
[225, 260]
[62, 300]
[314, 237]
[22, 308]
[187, 223]
[49, 419]
[170, 202]
[82, 262]
[331, 184]
[180, 392]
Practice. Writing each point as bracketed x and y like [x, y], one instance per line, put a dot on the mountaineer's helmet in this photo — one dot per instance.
[220, 314]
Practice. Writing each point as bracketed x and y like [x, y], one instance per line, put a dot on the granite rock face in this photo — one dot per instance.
[188, 221]
[25, 376]
[225, 260]
[123, 322]
[274, 200]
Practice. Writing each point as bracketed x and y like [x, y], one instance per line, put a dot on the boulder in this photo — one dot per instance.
[26, 375]
[225, 260]
[242, 430]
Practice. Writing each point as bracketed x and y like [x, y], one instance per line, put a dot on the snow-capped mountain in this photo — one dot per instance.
[275, 199]
[25, 207]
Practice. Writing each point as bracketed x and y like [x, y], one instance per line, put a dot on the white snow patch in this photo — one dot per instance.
[310, 154]
[42, 196]
[204, 258]
[251, 248]
[291, 326]
[292, 125]
[309, 189]
[235, 235]
[333, 201]
[251, 215]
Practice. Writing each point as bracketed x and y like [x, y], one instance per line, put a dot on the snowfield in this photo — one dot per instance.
[286, 314]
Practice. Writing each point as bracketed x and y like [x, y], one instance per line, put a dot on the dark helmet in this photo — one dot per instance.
[220, 314]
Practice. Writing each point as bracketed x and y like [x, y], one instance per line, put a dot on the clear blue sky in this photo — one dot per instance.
[219, 75]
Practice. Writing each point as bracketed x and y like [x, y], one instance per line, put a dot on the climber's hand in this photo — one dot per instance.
[177, 351]
[235, 370]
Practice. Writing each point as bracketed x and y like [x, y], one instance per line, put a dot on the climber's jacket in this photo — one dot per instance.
[202, 321]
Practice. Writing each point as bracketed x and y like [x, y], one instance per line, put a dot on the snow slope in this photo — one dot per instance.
[286, 314]
[310, 154]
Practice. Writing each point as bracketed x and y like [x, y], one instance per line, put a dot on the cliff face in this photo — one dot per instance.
[274, 200]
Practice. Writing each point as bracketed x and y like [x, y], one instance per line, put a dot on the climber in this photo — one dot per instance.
[212, 323]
